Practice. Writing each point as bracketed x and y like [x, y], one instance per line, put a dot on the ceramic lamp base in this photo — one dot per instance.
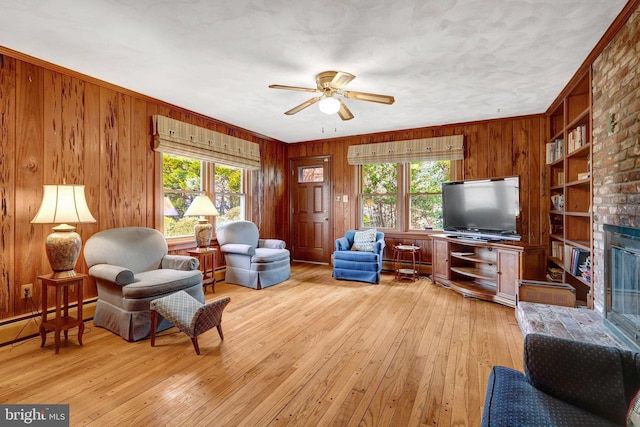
[63, 249]
[203, 232]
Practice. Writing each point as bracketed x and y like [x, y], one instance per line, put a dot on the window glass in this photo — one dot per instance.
[182, 182]
[403, 196]
[229, 197]
[425, 193]
[379, 195]
[311, 174]
[184, 178]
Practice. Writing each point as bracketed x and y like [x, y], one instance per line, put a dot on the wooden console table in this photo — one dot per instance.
[62, 321]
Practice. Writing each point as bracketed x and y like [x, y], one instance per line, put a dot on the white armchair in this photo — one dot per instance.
[132, 267]
[251, 261]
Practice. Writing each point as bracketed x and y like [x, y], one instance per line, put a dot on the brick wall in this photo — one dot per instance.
[616, 142]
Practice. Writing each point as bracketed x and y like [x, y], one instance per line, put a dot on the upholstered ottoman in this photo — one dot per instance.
[188, 314]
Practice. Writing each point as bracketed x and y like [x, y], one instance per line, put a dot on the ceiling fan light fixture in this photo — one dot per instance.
[329, 105]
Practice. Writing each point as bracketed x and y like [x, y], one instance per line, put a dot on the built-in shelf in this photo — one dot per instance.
[569, 180]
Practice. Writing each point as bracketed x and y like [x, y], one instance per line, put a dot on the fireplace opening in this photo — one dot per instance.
[622, 281]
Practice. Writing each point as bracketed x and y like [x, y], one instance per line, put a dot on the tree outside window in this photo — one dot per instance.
[379, 195]
[403, 196]
[229, 199]
[182, 182]
[425, 193]
[184, 178]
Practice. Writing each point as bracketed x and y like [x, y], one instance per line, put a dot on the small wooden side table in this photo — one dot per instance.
[399, 256]
[207, 258]
[62, 321]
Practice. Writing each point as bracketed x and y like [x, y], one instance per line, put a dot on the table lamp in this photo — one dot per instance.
[63, 204]
[202, 206]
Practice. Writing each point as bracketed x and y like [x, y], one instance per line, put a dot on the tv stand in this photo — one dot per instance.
[485, 270]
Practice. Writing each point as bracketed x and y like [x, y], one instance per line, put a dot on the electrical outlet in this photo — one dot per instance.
[26, 291]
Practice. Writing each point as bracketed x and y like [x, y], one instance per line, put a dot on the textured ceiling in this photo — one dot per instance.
[445, 61]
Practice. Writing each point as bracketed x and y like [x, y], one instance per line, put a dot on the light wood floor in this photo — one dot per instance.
[311, 351]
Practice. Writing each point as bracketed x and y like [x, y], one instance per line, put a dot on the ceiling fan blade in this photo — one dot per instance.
[344, 112]
[371, 97]
[340, 80]
[303, 106]
[302, 89]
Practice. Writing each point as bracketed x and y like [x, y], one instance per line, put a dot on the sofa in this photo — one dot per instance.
[251, 261]
[360, 262]
[566, 383]
[132, 267]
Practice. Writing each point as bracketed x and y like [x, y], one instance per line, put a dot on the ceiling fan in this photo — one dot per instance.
[328, 84]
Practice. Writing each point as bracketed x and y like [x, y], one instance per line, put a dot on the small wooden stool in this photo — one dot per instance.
[188, 314]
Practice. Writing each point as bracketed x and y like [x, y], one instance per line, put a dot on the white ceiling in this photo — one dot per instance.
[445, 61]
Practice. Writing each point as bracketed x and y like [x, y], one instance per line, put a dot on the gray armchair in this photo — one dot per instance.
[251, 261]
[132, 267]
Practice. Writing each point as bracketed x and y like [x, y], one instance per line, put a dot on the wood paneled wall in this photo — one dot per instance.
[493, 148]
[58, 126]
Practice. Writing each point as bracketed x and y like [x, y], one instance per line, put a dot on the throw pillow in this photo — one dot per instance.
[364, 241]
[633, 416]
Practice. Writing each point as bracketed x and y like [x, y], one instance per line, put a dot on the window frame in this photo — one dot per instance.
[207, 184]
[403, 197]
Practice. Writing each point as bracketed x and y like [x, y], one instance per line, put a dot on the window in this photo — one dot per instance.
[184, 178]
[229, 198]
[425, 193]
[379, 195]
[310, 174]
[403, 196]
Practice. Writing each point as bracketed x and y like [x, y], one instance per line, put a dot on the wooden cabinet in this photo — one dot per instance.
[440, 259]
[508, 274]
[570, 191]
[485, 270]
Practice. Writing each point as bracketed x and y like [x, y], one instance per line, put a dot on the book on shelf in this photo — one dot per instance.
[576, 138]
[554, 150]
[585, 269]
[568, 252]
[557, 250]
[574, 258]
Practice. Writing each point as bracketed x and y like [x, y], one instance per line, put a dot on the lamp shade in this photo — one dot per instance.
[201, 206]
[329, 105]
[63, 204]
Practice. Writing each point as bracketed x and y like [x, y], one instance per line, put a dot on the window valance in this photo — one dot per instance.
[179, 138]
[412, 150]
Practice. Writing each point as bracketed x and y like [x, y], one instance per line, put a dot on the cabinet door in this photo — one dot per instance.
[508, 273]
[440, 259]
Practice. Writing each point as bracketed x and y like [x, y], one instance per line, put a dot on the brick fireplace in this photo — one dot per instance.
[616, 146]
[622, 281]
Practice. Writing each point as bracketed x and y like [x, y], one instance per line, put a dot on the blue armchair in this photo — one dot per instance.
[565, 383]
[360, 265]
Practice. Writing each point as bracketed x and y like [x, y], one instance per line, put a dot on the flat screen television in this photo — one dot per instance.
[485, 209]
